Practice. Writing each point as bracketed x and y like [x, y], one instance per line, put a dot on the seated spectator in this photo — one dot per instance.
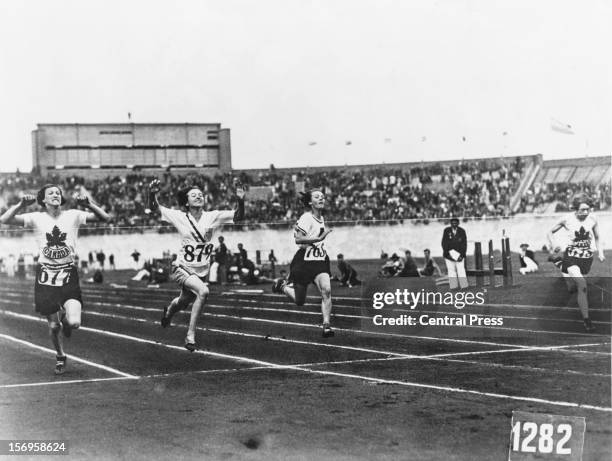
[430, 267]
[409, 268]
[392, 267]
[528, 261]
[348, 275]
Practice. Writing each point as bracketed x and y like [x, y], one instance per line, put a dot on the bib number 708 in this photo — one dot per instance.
[315, 253]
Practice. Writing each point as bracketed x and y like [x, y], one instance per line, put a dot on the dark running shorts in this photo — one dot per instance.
[583, 263]
[55, 286]
[304, 272]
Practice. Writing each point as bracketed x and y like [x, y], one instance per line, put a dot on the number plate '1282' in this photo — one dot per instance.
[536, 436]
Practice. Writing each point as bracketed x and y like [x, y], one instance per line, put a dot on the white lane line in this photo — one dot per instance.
[147, 296]
[72, 357]
[445, 357]
[461, 390]
[420, 311]
[148, 292]
[468, 362]
[102, 295]
[375, 333]
[55, 383]
[147, 341]
[353, 376]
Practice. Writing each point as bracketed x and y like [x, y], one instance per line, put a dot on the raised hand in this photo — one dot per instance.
[82, 200]
[27, 200]
[155, 186]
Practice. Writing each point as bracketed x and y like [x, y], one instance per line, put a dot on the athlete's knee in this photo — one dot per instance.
[54, 327]
[202, 291]
[326, 292]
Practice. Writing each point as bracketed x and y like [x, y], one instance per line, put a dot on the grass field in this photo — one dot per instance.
[265, 385]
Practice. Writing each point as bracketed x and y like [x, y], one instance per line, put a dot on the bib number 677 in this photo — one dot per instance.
[55, 278]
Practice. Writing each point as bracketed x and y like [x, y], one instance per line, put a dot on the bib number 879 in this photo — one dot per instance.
[530, 437]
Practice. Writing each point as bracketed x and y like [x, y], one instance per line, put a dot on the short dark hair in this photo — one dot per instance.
[40, 196]
[181, 195]
[579, 199]
[306, 197]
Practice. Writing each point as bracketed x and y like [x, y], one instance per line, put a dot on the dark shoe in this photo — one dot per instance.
[190, 347]
[165, 321]
[327, 332]
[588, 326]
[60, 365]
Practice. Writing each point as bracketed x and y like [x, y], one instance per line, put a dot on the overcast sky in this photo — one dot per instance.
[402, 80]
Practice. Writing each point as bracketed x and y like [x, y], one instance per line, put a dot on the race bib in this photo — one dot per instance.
[54, 277]
[315, 253]
[580, 252]
[197, 255]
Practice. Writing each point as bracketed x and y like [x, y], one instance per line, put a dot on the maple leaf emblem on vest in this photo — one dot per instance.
[581, 235]
[56, 238]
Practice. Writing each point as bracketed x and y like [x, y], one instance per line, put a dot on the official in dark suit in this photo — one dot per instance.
[454, 247]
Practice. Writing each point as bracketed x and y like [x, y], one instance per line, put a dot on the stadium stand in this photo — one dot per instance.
[365, 193]
[558, 180]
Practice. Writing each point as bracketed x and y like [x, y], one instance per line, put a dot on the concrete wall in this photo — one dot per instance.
[355, 242]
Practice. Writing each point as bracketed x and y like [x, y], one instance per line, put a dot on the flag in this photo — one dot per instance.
[348, 143]
[463, 138]
[312, 143]
[560, 127]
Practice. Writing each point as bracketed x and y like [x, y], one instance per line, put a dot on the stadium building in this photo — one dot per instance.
[103, 149]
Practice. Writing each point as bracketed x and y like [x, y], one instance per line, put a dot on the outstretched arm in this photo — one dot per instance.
[11, 217]
[96, 211]
[239, 210]
[154, 189]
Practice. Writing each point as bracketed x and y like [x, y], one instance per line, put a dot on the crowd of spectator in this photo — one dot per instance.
[560, 196]
[468, 188]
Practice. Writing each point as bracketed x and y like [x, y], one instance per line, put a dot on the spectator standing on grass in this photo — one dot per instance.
[454, 248]
[135, 257]
[242, 255]
[111, 261]
[221, 259]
